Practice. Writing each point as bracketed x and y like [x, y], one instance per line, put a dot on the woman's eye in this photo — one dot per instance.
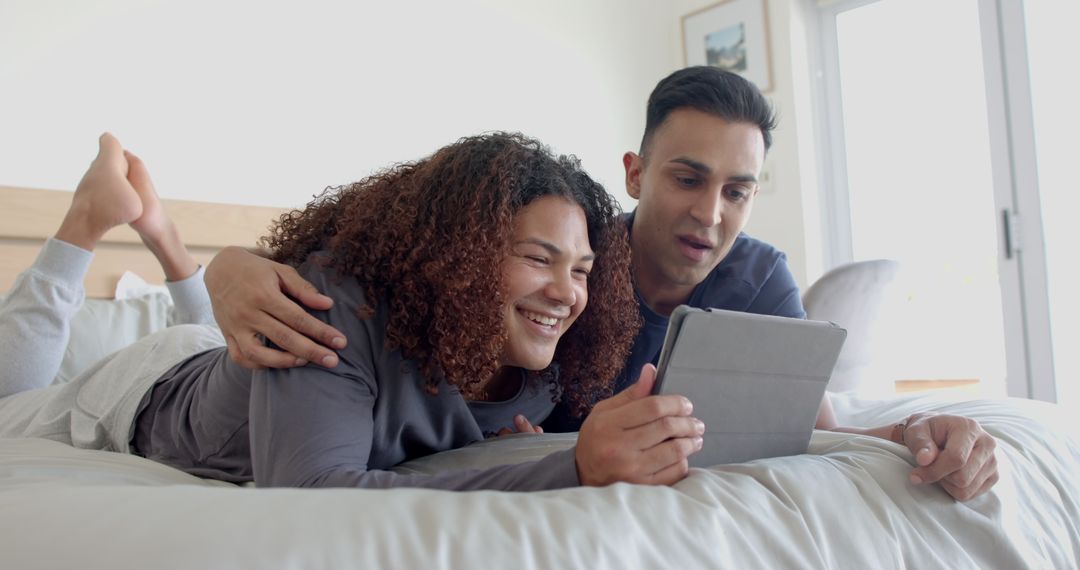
[536, 258]
[582, 272]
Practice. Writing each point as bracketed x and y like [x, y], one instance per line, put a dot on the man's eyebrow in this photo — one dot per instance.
[703, 168]
[551, 248]
[694, 164]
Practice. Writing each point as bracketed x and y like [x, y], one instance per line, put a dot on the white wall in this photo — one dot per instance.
[264, 103]
[267, 103]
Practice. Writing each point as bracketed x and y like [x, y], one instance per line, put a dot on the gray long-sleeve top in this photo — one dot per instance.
[340, 427]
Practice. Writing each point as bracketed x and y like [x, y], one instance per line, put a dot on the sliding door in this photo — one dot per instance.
[929, 137]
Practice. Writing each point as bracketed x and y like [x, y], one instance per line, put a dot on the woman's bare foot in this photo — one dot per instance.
[157, 231]
[115, 190]
[103, 200]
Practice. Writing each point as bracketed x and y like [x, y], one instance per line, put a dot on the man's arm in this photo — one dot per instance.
[951, 450]
[254, 296]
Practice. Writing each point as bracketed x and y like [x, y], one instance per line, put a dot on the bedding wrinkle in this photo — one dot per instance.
[862, 483]
[857, 510]
[1041, 485]
[1041, 458]
[894, 495]
[727, 496]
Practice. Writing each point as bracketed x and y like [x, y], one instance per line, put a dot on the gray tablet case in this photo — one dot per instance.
[756, 381]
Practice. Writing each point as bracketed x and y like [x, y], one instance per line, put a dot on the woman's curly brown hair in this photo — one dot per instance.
[429, 238]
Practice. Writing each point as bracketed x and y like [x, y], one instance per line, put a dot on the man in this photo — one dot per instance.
[695, 179]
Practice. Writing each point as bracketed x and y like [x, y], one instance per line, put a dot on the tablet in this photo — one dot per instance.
[756, 381]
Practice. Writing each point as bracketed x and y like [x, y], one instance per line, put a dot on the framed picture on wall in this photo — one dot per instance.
[731, 35]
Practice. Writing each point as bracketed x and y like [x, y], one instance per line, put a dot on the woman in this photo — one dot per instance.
[455, 279]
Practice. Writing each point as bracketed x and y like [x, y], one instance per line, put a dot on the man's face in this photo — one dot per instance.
[695, 188]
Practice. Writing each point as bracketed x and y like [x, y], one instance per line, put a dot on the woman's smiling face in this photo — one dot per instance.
[545, 279]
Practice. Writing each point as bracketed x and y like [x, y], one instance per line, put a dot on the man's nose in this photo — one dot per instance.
[708, 209]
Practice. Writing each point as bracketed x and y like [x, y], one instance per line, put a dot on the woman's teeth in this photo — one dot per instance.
[538, 318]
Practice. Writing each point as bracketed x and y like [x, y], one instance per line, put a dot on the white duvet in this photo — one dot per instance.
[845, 504]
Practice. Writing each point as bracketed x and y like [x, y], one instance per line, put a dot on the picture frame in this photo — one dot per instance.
[731, 35]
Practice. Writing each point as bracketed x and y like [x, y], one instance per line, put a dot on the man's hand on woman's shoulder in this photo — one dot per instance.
[254, 296]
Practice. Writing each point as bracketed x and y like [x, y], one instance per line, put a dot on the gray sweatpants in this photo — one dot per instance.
[95, 410]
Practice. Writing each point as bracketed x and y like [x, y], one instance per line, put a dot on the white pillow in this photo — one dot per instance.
[103, 326]
[131, 285]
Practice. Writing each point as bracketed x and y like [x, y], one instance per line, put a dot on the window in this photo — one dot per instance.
[929, 128]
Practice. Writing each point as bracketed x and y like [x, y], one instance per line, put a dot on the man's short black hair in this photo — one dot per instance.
[710, 90]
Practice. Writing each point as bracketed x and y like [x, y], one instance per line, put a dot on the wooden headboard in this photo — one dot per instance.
[28, 217]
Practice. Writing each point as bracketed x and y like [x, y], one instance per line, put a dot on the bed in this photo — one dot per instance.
[845, 504]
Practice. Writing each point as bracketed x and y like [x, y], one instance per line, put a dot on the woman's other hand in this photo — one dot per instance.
[521, 425]
[636, 437]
